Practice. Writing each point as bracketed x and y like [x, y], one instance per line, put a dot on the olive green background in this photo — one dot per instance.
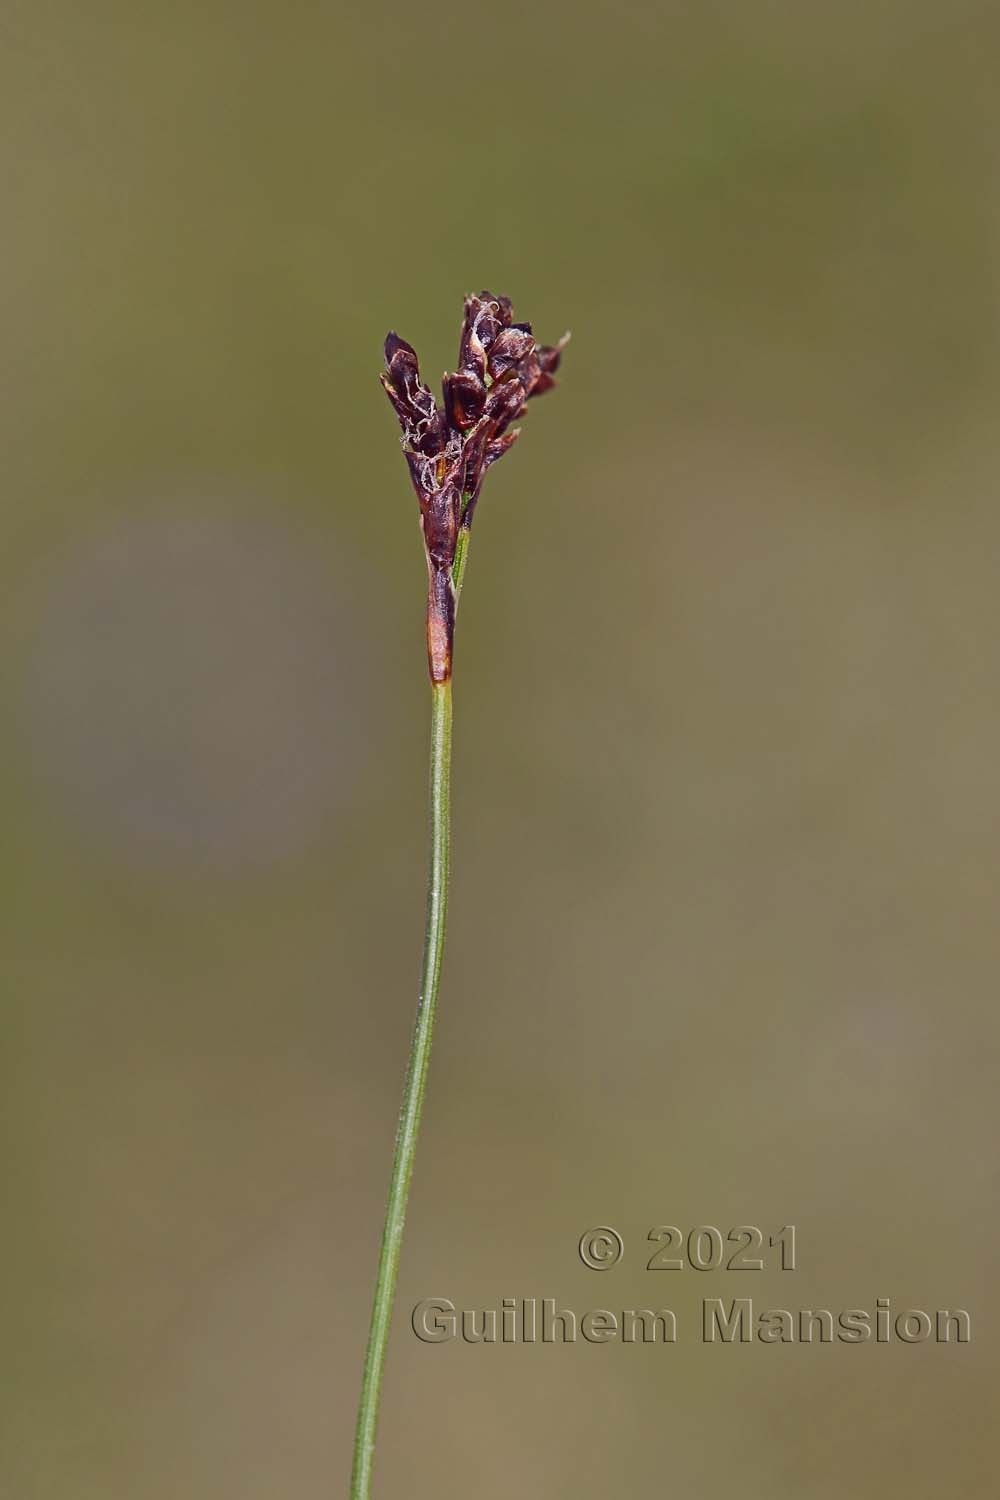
[723, 944]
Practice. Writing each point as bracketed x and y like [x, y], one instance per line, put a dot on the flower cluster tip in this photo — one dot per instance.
[449, 446]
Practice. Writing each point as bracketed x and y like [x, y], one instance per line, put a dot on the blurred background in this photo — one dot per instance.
[723, 941]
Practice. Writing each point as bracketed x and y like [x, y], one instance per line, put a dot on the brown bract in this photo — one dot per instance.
[450, 447]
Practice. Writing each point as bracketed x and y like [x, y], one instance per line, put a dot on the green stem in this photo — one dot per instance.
[461, 558]
[413, 1092]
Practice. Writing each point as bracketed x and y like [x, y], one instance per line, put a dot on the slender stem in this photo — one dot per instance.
[461, 558]
[413, 1092]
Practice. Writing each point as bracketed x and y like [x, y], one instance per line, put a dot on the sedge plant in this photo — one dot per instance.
[448, 449]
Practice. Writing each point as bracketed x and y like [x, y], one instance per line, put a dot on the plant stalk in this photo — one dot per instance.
[413, 1091]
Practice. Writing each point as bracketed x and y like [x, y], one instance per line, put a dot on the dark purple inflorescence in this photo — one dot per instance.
[450, 447]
